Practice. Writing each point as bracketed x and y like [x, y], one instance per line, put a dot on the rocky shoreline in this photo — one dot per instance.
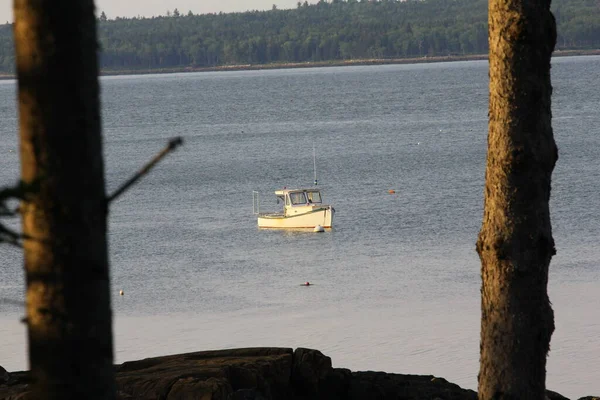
[266, 373]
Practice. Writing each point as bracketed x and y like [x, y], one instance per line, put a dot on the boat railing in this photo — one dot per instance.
[255, 202]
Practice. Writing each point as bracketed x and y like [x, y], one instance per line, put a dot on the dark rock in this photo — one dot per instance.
[550, 395]
[4, 375]
[246, 394]
[260, 374]
[309, 369]
[590, 398]
[384, 386]
[16, 387]
[335, 384]
[198, 388]
[213, 375]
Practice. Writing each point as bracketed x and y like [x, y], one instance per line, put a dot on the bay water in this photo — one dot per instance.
[394, 286]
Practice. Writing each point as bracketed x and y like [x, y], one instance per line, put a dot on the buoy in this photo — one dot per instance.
[391, 191]
[319, 228]
[121, 292]
[307, 283]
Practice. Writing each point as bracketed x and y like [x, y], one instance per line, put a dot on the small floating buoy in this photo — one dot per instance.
[391, 191]
[307, 283]
[319, 228]
[121, 292]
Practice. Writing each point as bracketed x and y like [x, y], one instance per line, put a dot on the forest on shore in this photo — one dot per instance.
[334, 30]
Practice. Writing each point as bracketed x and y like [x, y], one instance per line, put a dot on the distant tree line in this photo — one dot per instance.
[328, 30]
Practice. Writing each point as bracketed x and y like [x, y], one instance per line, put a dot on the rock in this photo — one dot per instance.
[4, 375]
[16, 387]
[309, 369]
[590, 398]
[209, 374]
[260, 374]
[335, 384]
[381, 385]
[246, 394]
[550, 395]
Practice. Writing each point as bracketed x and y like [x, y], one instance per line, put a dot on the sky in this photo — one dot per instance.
[149, 8]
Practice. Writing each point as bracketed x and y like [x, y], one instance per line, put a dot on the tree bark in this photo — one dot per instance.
[66, 262]
[515, 243]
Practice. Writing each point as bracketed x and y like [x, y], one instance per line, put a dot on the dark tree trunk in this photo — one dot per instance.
[66, 263]
[515, 243]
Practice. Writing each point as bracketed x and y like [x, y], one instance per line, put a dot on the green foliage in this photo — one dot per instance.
[328, 30]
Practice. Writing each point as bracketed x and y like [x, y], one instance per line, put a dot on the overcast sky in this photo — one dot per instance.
[149, 8]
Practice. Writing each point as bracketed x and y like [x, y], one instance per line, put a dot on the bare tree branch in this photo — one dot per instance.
[173, 144]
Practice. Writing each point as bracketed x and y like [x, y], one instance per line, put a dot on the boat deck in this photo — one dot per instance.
[271, 215]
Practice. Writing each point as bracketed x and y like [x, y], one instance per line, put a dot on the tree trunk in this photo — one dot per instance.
[515, 244]
[66, 262]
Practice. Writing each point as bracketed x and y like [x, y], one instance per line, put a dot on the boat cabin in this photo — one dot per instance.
[299, 197]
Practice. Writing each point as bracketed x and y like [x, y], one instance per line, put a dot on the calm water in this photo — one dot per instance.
[396, 283]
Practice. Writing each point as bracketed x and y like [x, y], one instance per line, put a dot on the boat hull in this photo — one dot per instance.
[322, 217]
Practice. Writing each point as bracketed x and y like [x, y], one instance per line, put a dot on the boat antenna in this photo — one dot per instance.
[314, 163]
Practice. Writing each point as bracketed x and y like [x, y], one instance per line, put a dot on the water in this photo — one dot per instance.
[396, 283]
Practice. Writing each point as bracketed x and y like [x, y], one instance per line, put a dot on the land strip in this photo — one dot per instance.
[319, 64]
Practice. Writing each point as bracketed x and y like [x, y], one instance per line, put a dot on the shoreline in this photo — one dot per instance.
[317, 64]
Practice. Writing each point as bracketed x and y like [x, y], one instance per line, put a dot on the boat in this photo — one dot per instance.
[302, 208]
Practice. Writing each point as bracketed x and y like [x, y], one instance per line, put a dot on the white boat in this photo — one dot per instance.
[302, 208]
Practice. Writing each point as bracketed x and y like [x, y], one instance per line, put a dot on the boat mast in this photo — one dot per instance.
[315, 163]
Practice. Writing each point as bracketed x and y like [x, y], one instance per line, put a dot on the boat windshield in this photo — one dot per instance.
[297, 198]
[314, 196]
